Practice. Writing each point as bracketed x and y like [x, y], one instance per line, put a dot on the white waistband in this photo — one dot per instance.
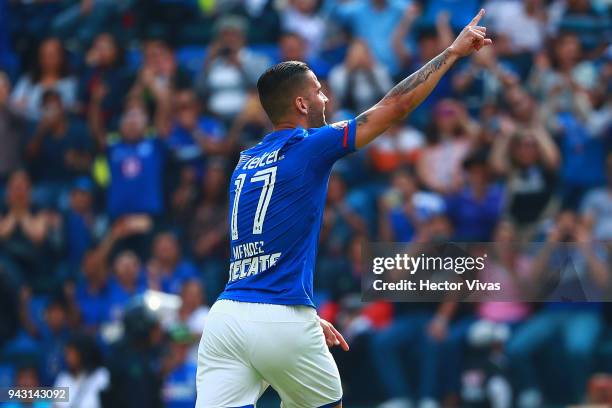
[264, 312]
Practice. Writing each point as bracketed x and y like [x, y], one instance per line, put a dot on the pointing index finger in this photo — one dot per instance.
[477, 18]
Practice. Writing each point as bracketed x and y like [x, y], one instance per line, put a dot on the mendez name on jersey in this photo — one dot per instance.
[277, 196]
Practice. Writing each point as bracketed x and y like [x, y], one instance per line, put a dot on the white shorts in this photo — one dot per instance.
[247, 346]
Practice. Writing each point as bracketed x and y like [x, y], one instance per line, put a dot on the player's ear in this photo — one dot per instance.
[301, 105]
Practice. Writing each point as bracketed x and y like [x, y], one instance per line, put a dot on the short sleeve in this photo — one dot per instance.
[332, 142]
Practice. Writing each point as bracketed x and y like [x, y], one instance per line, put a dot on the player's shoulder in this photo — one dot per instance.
[337, 127]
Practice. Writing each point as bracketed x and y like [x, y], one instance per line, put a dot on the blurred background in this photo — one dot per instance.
[121, 121]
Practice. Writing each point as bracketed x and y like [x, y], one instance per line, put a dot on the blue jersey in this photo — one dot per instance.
[136, 177]
[277, 197]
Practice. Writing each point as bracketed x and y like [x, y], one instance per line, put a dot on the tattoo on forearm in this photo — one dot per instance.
[419, 77]
[362, 119]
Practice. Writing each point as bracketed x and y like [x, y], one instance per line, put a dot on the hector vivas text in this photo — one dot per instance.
[404, 265]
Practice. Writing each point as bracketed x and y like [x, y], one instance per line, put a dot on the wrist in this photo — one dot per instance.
[453, 54]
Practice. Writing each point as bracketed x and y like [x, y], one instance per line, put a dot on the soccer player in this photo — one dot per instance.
[263, 330]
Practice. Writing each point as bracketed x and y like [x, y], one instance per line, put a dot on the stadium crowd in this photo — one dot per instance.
[121, 121]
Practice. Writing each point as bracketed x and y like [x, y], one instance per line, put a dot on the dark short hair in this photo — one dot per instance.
[278, 85]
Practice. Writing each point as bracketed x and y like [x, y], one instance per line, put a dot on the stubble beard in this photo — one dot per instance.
[316, 119]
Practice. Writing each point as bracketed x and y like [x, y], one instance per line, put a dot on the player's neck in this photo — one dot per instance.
[290, 124]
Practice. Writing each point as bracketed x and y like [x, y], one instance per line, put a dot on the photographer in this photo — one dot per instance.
[230, 70]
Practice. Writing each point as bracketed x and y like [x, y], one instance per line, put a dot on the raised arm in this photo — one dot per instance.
[408, 94]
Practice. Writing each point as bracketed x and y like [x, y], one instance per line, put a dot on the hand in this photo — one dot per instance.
[333, 336]
[443, 19]
[46, 124]
[214, 49]
[438, 328]
[19, 213]
[583, 234]
[472, 37]
[147, 76]
[554, 235]
[542, 62]
[412, 12]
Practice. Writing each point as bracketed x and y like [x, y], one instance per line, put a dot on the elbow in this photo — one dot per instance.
[399, 108]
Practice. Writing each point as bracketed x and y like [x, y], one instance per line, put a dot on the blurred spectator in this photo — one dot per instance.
[597, 208]
[523, 23]
[191, 316]
[511, 265]
[583, 164]
[373, 21]
[208, 232]
[400, 42]
[208, 228]
[482, 79]
[575, 325]
[486, 366]
[403, 207]
[91, 296]
[178, 388]
[59, 150]
[339, 279]
[449, 142]
[418, 328]
[159, 77]
[460, 12]
[251, 124]
[301, 16]
[25, 235]
[99, 296]
[105, 78]
[359, 82]
[430, 42]
[83, 19]
[529, 160]
[477, 207]
[561, 76]
[136, 167]
[27, 376]
[81, 223]
[50, 71]
[193, 136]
[84, 375]
[12, 132]
[587, 18]
[292, 47]
[167, 270]
[341, 219]
[400, 145]
[125, 284]
[134, 363]
[53, 336]
[230, 70]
